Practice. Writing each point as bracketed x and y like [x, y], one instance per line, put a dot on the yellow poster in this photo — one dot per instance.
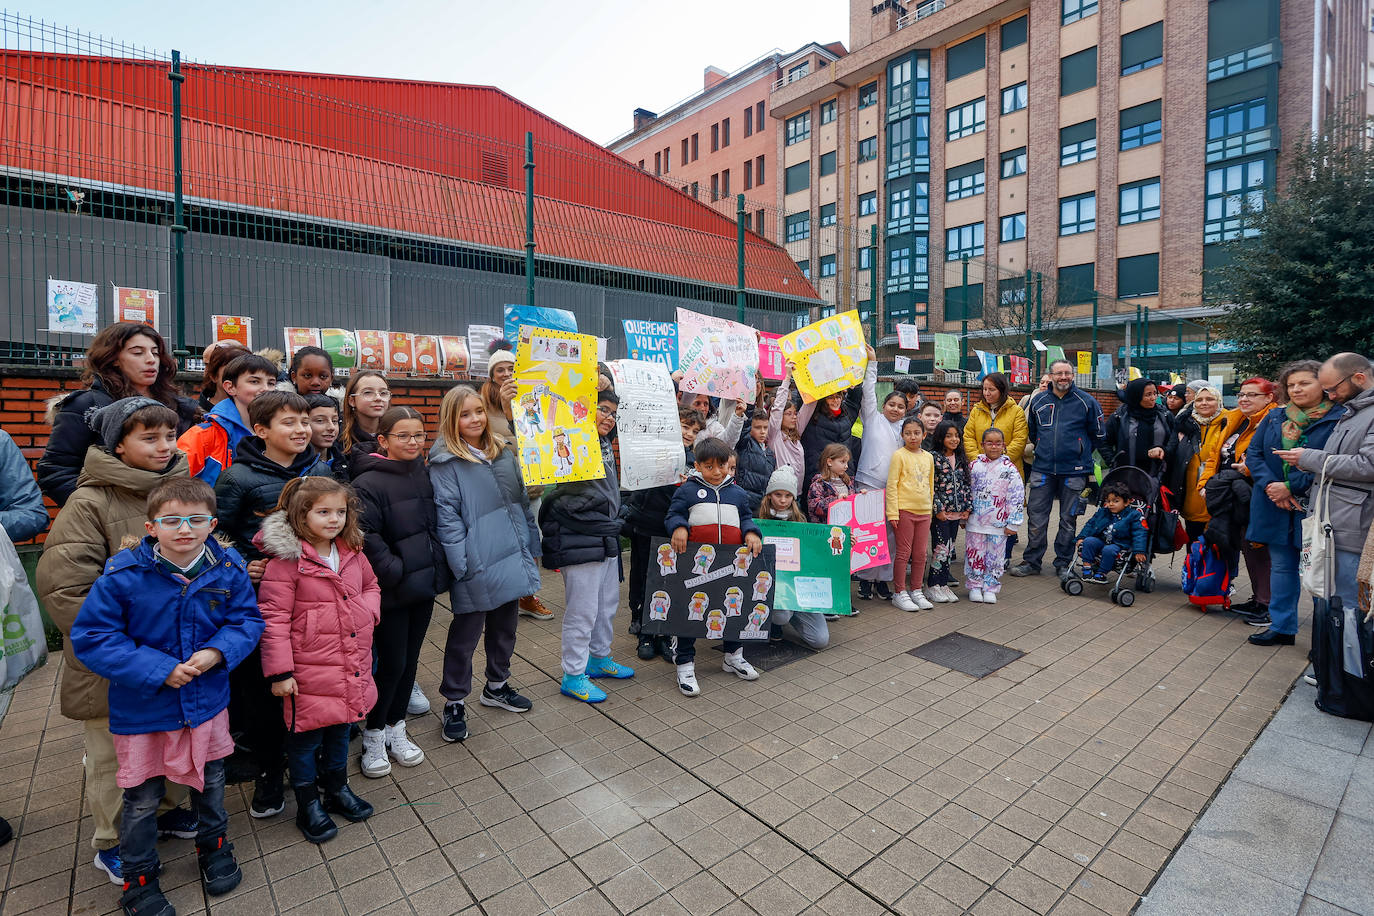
[555, 408]
[827, 356]
[1085, 362]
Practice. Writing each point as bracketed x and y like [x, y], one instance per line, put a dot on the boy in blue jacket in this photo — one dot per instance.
[1115, 523]
[165, 623]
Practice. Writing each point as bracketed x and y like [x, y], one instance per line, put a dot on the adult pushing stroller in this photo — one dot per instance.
[1127, 576]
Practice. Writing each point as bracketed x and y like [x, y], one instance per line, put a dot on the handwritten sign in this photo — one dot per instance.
[655, 341]
[479, 335]
[717, 357]
[827, 356]
[811, 563]
[771, 359]
[651, 453]
[863, 514]
[901, 364]
[73, 307]
[136, 305]
[711, 591]
[555, 408]
[1085, 362]
[908, 337]
[946, 351]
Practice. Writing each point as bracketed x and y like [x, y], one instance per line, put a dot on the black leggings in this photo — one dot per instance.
[397, 640]
[640, 550]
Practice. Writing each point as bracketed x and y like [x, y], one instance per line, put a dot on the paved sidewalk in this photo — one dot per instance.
[856, 780]
[1290, 832]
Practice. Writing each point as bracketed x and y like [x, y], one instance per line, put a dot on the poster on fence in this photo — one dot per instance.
[1106, 374]
[232, 327]
[717, 357]
[426, 353]
[537, 316]
[1085, 362]
[865, 516]
[371, 350]
[908, 337]
[946, 351]
[296, 338]
[772, 364]
[901, 364]
[651, 453]
[400, 353]
[341, 345]
[1054, 352]
[136, 305]
[73, 307]
[987, 362]
[455, 350]
[655, 341]
[811, 563]
[555, 408]
[828, 356]
[479, 335]
[712, 591]
[1020, 370]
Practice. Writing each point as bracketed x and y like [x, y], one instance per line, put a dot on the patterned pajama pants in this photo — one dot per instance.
[985, 559]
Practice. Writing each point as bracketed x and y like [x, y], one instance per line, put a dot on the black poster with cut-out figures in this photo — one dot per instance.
[712, 591]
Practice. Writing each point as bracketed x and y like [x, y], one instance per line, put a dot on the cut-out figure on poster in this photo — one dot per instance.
[530, 416]
[667, 560]
[696, 608]
[715, 624]
[836, 541]
[762, 583]
[562, 454]
[659, 605]
[757, 618]
[734, 601]
[706, 555]
[741, 564]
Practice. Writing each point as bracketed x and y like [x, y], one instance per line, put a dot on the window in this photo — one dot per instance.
[758, 221]
[908, 263]
[1076, 284]
[966, 57]
[827, 214]
[828, 265]
[715, 137]
[1014, 98]
[695, 147]
[899, 83]
[758, 116]
[1141, 125]
[758, 172]
[715, 187]
[725, 133]
[1014, 162]
[796, 178]
[967, 119]
[725, 183]
[748, 174]
[798, 128]
[868, 94]
[805, 268]
[908, 144]
[1078, 143]
[749, 121]
[1074, 10]
[827, 163]
[1013, 227]
[868, 203]
[800, 70]
[1078, 72]
[908, 79]
[1139, 202]
[964, 303]
[868, 149]
[1077, 214]
[1014, 33]
[1011, 292]
[1239, 129]
[667, 161]
[1137, 276]
[1241, 35]
[827, 111]
[798, 227]
[964, 241]
[966, 180]
[908, 202]
[1142, 49]
[658, 163]
[866, 257]
[641, 165]
[1233, 192]
[899, 145]
[686, 151]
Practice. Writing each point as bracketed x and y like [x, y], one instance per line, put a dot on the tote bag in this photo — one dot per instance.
[22, 643]
[1316, 539]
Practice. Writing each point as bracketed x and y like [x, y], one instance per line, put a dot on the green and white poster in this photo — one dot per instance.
[811, 566]
[947, 351]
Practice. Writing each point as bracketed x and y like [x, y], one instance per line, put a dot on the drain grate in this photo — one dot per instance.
[965, 654]
[769, 655]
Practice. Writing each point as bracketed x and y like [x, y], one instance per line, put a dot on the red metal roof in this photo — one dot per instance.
[431, 158]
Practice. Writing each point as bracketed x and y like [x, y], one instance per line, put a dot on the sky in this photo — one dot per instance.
[586, 63]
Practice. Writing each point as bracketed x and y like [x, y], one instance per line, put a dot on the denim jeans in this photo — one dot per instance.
[1098, 553]
[138, 826]
[332, 743]
[811, 628]
[1285, 589]
[1046, 490]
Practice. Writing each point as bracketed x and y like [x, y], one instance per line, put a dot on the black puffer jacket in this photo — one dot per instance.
[400, 528]
[645, 511]
[754, 465]
[823, 429]
[580, 521]
[250, 487]
[71, 437]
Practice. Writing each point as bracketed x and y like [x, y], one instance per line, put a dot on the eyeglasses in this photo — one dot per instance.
[605, 411]
[1337, 387]
[407, 437]
[174, 522]
[1250, 394]
[373, 393]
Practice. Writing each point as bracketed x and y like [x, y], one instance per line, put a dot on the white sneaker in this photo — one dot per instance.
[404, 751]
[418, 704]
[736, 663]
[975, 595]
[989, 597]
[951, 594]
[920, 600]
[942, 594]
[903, 601]
[375, 763]
[687, 679]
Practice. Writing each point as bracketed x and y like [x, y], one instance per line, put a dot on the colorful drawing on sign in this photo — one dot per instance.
[136, 305]
[371, 349]
[667, 560]
[555, 408]
[908, 337]
[708, 600]
[232, 327]
[863, 514]
[300, 337]
[987, 362]
[772, 363]
[479, 335]
[455, 350]
[73, 307]
[537, 316]
[901, 364]
[400, 353]
[1020, 370]
[717, 357]
[946, 351]
[652, 341]
[341, 345]
[827, 356]
[426, 352]
[647, 425]
[1085, 362]
[811, 565]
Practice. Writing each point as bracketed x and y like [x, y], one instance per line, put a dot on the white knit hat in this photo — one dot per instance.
[784, 479]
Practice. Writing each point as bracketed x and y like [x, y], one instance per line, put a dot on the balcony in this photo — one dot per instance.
[930, 7]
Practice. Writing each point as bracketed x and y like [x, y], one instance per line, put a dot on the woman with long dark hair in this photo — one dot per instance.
[124, 360]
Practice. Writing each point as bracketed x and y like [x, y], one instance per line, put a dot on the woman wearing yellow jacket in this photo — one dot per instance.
[999, 410]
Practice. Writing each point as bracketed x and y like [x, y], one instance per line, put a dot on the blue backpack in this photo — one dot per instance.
[1206, 576]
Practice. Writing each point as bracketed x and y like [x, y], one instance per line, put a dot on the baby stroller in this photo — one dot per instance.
[1127, 576]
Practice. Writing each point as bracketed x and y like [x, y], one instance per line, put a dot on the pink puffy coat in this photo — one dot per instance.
[319, 627]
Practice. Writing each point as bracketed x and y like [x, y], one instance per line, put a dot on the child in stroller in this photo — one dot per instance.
[1115, 543]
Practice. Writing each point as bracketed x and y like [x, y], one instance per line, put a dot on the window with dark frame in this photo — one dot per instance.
[868, 203]
[1078, 143]
[967, 119]
[798, 128]
[828, 217]
[1014, 33]
[1078, 71]
[798, 226]
[758, 116]
[827, 111]
[1014, 98]
[828, 265]
[1142, 49]
[1077, 284]
[1138, 202]
[1014, 162]
[725, 133]
[715, 137]
[1137, 276]
[748, 174]
[966, 57]
[868, 149]
[1234, 191]
[828, 163]
[749, 120]
[962, 241]
[1074, 10]
[758, 171]
[796, 178]
[1141, 125]
[1013, 227]
[725, 183]
[805, 268]
[868, 94]
[1077, 214]
[967, 180]
[695, 148]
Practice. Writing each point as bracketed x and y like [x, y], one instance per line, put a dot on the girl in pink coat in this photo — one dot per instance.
[319, 600]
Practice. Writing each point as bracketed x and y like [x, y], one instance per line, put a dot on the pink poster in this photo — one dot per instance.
[1020, 370]
[863, 514]
[770, 357]
[717, 357]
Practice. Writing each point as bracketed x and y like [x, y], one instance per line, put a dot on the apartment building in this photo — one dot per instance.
[1109, 147]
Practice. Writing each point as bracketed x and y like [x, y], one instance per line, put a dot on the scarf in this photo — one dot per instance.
[1295, 421]
[1134, 392]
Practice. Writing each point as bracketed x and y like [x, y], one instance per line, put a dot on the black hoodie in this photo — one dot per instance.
[249, 488]
[400, 533]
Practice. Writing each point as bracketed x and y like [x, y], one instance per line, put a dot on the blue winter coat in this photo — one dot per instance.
[139, 622]
[21, 503]
[1118, 529]
[1268, 523]
[486, 528]
[1064, 431]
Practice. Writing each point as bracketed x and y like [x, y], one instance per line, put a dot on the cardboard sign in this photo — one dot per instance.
[828, 356]
[946, 351]
[426, 352]
[300, 337]
[712, 591]
[479, 335]
[400, 353]
[654, 341]
[555, 408]
[772, 363]
[1054, 352]
[73, 307]
[1085, 362]
[717, 357]
[811, 563]
[651, 453]
[232, 327]
[864, 515]
[341, 345]
[371, 350]
[908, 337]
[455, 350]
[1020, 370]
[536, 316]
[136, 305]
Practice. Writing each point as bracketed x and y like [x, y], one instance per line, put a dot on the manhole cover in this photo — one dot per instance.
[769, 655]
[974, 657]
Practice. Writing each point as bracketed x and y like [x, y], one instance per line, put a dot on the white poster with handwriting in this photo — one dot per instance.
[651, 452]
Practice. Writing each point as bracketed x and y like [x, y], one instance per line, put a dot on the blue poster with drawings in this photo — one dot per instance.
[538, 316]
[652, 341]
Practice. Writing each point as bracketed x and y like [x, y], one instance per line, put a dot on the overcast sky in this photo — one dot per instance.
[587, 63]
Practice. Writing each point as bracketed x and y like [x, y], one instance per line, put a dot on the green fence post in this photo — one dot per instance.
[178, 226]
[1039, 301]
[1026, 305]
[963, 311]
[1094, 365]
[740, 217]
[1180, 347]
[1207, 353]
[873, 282]
[1145, 349]
[529, 218]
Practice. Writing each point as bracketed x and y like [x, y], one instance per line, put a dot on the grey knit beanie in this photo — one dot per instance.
[784, 479]
[108, 422]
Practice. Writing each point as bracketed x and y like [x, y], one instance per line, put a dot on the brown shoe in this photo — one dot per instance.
[531, 606]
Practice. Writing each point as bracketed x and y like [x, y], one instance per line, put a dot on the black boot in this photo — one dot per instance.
[269, 796]
[865, 589]
[143, 897]
[646, 649]
[664, 647]
[310, 816]
[339, 798]
[219, 871]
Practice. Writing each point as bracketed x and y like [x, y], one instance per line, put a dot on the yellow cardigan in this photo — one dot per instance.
[910, 482]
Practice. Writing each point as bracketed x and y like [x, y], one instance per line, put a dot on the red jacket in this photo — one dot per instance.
[319, 627]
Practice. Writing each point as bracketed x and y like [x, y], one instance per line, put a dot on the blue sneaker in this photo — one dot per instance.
[605, 667]
[107, 860]
[179, 822]
[580, 687]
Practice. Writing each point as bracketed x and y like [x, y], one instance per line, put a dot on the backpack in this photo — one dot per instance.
[1168, 531]
[1206, 576]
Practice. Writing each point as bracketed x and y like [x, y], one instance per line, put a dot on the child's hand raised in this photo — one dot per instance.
[205, 659]
[284, 688]
[182, 675]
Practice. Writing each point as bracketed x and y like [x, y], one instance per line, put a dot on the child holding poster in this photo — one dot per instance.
[882, 436]
[999, 502]
[784, 432]
[780, 504]
[910, 496]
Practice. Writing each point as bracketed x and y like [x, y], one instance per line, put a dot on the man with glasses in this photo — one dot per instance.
[1065, 426]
